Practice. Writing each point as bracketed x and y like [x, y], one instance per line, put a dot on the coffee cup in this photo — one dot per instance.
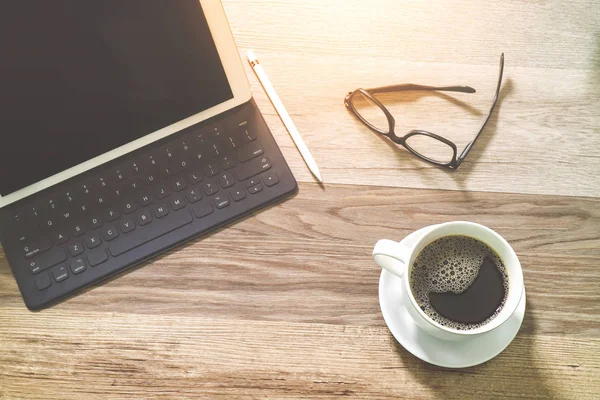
[399, 260]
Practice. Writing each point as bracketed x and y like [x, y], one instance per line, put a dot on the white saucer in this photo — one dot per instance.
[450, 354]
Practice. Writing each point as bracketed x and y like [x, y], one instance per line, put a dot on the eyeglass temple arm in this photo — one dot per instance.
[464, 153]
[412, 86]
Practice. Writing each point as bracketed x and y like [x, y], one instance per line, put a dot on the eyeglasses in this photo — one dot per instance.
[429, 146]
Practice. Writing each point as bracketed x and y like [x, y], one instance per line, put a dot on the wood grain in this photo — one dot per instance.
[542, 139]
[101, 355]
[284, 304]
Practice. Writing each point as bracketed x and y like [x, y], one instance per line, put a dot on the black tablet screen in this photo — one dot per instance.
[79, 78]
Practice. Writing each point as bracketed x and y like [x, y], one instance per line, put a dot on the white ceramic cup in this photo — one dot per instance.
[398, 259]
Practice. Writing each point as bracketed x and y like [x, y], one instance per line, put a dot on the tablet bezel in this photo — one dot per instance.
[236, 76]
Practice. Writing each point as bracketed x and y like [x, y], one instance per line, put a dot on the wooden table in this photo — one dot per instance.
[285, 304]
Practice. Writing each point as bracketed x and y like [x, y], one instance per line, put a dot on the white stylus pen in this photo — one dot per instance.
[283, 114]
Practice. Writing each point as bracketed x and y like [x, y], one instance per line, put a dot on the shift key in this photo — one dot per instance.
[252, 167]
[47, 259]
[144, 234]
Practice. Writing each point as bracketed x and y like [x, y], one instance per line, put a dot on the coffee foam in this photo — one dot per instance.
[451, 264]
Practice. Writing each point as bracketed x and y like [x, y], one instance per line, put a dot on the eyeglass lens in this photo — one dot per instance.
[430, 147]
[370, 112]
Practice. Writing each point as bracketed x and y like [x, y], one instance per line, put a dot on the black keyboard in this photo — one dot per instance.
[94, 226]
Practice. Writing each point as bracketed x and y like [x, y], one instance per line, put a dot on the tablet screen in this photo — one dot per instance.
[79, 78]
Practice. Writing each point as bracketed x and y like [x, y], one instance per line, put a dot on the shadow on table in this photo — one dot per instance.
[512, 374]
[595, 73]
[467, 167]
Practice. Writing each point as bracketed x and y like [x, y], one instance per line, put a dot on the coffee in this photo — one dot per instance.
[459, 282]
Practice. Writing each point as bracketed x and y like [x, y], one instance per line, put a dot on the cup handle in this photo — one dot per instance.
[392, 256]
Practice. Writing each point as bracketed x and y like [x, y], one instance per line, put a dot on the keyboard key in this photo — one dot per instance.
[177, 203]
[270, 179]
[249, 152]
[60, 237]
[134, 185]
[199, 156]
[194, 178]
[255, 189]
[238, 195]
[183, 147]
[221, 201]
[216, 132]
[150, 179]
[93, 241]
[216, 149]
[50, 206]
[78, 266]
[253, 182]
[43, 281]
[144, 218]
[48, 259]
[146, 200]
[151, 161]
[97, 257]
[35, 268]
[117, 192]
[146, 234]
[226, 180]
[21, 226]
[230, 143]
[168, 153]
[95, 222]
[129, 207]
[248, 134]
[118, 176]
[66, 216]
[35, 248]
[100, 201]
[210, 188]
[182, 164]
[162, 192]
[194, 195]
[84, 190]
[211, 170]
[78, 230]
[60, 273]
[111, 214]
[126, 225]
[67, 198]
[132, 168]
[101, 183]
[228, 162]
[165, 172]
[109, 233]
[75, 248]
[202, 210]
[48, 223]
[83, 208]
[202, 138]
[252, 167]
[161, 210]
[178, 185]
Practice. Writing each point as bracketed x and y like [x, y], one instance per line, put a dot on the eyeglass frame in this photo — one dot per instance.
[401, 140]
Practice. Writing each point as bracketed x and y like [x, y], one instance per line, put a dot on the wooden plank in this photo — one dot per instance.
[284, 305]
[122, 355]
[542, 138]
[308, 259]
[540, 34]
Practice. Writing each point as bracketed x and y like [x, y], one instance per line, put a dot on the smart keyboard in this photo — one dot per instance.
[96, 225]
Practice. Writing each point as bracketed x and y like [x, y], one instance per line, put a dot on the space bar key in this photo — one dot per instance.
[144, 234]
